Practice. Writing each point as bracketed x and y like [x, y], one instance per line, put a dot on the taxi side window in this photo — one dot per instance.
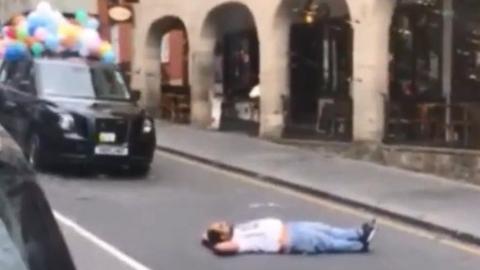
[19, 75]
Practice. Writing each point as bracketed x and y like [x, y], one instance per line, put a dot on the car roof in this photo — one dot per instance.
[73, 61]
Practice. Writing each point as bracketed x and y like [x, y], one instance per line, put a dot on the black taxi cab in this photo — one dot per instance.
[75, 110]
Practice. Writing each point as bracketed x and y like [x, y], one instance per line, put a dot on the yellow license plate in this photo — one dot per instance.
[107, 137]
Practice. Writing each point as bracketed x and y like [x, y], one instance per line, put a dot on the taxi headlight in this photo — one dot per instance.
[147, 126]
[66, 121]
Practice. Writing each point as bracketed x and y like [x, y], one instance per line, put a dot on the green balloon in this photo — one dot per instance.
[37, 49]
[22, 33]
[81, 16]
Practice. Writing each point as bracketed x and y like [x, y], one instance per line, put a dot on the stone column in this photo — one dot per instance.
[146, 67]
[274, 77]
[201, 70]
[371, 21]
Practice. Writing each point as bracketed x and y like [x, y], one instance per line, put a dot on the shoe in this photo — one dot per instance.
[368, 232]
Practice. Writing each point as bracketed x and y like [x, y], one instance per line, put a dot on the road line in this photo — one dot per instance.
[410, 229]
[115, 252]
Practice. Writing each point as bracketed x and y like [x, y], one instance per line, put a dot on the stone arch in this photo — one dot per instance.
[318, 44]
[229, 63]
[166, 70]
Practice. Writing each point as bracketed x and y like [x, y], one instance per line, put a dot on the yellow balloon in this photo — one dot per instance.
[63, 29]
[105, 47]
[69, 30]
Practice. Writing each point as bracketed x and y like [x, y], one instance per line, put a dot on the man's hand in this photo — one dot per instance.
[205, 241]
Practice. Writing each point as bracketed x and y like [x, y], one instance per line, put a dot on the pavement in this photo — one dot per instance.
[157, 222]
[435, 203]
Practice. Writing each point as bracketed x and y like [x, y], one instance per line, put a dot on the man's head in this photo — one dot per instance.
[219, 232]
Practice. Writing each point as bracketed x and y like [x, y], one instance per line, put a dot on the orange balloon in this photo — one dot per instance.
[18, 19]
[30, 41]
[69, 42]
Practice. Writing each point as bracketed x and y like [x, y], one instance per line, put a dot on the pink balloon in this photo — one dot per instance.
[41, 34]
[90, 39]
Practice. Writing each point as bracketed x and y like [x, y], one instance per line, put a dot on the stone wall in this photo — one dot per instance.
[455, 164]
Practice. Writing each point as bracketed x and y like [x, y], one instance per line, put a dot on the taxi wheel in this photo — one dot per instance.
[140, 169]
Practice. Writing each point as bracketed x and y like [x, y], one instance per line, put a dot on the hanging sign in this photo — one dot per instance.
[120, 13]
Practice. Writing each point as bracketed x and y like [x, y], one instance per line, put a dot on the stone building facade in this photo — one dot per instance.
[272, 19]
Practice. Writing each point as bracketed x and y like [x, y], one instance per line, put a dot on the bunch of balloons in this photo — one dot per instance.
[46, 29]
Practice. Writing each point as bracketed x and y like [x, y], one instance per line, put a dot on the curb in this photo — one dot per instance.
[462, 236]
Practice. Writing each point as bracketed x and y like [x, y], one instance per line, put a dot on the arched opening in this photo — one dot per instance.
[319, 103]
[231, 37]
[167, 60]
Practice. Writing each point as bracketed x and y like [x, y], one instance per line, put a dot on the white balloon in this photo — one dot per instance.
[84, 51]
[58, 17]
[90, 39]
[44, 7]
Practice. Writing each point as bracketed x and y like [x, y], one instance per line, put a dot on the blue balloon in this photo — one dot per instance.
[35, 21]
[15, 51]
[93, 23]
[52, 43]
[52, 28]
[109, 58]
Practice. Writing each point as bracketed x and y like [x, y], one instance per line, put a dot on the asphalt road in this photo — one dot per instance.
[157, 221]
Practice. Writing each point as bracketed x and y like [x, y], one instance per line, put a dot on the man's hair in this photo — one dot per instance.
[215, 236]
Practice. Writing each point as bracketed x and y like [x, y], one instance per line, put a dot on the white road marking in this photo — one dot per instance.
[115, 252]
[263, 205]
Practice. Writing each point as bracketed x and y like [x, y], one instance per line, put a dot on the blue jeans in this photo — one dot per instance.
[316, 237]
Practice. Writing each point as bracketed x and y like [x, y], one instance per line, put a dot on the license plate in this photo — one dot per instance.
[107, 137]
[111, 150]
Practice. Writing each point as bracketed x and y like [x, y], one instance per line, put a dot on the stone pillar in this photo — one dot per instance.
[371, 21]
[274, 77]
[201, 70]
[145, 66]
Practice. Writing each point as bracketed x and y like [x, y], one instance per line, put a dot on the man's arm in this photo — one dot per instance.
[226, 248]
[205, 241]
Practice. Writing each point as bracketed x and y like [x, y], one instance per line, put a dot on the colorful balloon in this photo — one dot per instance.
[41, 33]
[52, 43]
[22, 32]
[44, 8]
[15, 51]
[35, 21]
[9, 32]
[109, 57]
[81, 16]
[18, 19]
[29, 41]
[47, 29]
[58, 18]
[90, 39]
[37, 49]
[92, 23]
[105, 47]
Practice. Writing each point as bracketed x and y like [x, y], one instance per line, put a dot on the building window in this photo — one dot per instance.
[416, 53]
[466, 53]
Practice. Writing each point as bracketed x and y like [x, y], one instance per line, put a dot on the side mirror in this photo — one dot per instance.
[136, 95]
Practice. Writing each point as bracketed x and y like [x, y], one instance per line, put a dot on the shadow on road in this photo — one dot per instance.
[87, 173]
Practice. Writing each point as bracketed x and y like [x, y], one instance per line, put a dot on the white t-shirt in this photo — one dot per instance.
[262, 235]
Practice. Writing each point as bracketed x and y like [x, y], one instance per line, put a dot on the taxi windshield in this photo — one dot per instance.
[79, 80]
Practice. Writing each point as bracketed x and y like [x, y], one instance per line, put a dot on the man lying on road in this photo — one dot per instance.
[271, 235]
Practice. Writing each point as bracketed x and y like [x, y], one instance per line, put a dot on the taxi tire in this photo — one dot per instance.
[140, 169]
